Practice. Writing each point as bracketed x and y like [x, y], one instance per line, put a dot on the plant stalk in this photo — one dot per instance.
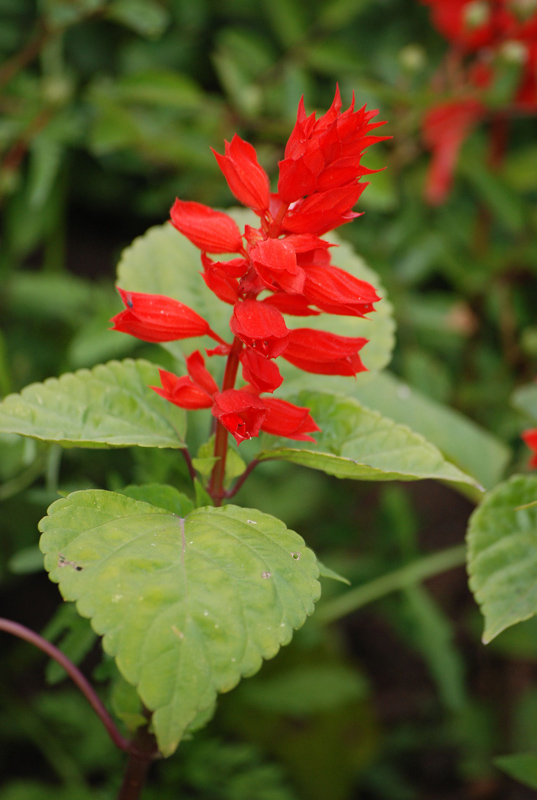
[417, 571]
[216, 484]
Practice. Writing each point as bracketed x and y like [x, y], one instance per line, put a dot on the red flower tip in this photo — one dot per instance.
[240, 412]
[275, 262]
[337, 292]
[244, 175]
[156, 318]
[212, 231]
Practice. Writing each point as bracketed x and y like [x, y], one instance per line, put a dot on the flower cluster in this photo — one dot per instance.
[480, 32]
[283, 267]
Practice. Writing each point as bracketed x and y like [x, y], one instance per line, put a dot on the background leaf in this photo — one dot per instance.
[108, 406]
[186, 606]
[502, 555]
[355, 442]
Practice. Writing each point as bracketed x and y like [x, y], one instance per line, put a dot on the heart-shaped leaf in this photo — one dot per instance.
[187, 606]
[108, 406]
[502, 554]
[356, 442]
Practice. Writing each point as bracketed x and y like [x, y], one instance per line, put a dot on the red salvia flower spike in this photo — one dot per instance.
[445, 128]
[245, 176]
[324, 211]
[260, 327]
[240, 412]
[275, 262]
[324, 353]
[337, 292]
[212, 231]
[156, 318]
[260, 372]
[285, 419]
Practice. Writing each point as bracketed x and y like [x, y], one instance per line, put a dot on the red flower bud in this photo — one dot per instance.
[245, 176]
[211, 231]
[219, 282]
[324, 353]
[261, 327]
[241, 412]
[286, 419]
[156, 318]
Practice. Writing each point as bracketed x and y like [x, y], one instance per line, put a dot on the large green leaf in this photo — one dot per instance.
[356, 442]
[502, 554]
[108, 406]
[163, 261]
[472, 448]
[186, 605]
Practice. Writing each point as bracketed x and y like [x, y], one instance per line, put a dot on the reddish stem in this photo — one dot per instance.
[216, 484]
[22, 632]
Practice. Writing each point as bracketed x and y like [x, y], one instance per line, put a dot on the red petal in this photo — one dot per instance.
[241, 412]
[261, 327]
[156, 318]
[286, 419]
[263, 374]
[211, 231]
[245, 176]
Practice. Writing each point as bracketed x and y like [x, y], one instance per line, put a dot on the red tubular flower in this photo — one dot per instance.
[240, 412]
[261, 327]
[259, 371]
[294, 304]
[445, 128]
[156, 318]
[211, 231]
[194, 390]
[275, 262]
[245, 176]
[286, 419]
[324, 353]
[337, 292]
[530, 437]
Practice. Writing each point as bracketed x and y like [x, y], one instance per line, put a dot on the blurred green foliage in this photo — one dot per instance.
[108, 110]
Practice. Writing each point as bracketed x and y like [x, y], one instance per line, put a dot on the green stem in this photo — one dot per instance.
[408, 575]
[216, 484]
[138, 765]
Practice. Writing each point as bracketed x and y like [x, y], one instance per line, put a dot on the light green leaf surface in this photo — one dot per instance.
[472, 448]
[356, 442]
[163, 261]
[187, 606]
[502, 555]
[108, 406]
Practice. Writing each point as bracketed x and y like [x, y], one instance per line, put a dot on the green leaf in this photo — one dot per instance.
[355, 442]
[502, 555]
[187, 606]
[146, 17]
[520, 766]
[108, 406]
[175, 272]
[472, 448]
